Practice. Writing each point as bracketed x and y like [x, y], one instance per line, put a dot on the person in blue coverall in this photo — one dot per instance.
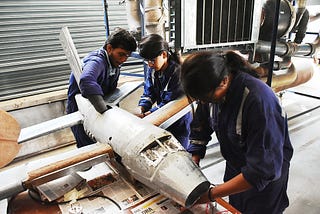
[251, 128]
[100, 74]
[162, 83]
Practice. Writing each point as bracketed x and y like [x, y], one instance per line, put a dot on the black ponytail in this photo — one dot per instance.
[175, 56]
[236, 63]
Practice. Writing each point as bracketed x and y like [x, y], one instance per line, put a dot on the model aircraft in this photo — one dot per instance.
[151, 154]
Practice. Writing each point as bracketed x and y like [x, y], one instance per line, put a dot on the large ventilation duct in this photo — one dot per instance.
[133, 16]
[299, 72]
[247, 26]
[153, 13]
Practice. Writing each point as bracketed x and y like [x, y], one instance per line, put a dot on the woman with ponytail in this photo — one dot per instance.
[251, 128]
[162, 83]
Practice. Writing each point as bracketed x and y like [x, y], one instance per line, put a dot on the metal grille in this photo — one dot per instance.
[220, 22]
[226, 23]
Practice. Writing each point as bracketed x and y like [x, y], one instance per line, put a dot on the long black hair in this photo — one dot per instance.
[202, 72]
[152, 46]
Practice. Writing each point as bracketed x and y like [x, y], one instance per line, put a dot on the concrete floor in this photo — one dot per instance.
[304, 181]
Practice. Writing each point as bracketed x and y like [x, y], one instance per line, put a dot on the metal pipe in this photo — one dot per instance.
[288, 49]
[146, 17]
[298, 73]
[134, 14]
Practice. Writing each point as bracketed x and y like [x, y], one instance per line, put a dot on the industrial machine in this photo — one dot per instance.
[261, 30]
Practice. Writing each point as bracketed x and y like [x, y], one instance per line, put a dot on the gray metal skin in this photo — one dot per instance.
[151, 154]
[12, 188]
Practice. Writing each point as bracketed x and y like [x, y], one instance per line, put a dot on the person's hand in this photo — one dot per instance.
[98, 103]
[196, 159]
[141, 115]
[139, 112]
[203, 199]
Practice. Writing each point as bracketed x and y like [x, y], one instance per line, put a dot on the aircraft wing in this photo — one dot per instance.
[50, 126]
[75, 118]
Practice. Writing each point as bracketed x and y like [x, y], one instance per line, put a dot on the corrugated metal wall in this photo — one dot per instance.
[31, 57]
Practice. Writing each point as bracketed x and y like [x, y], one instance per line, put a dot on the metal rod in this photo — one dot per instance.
[307, 95]
[106, 19]
[302, 113]
[273, 41]
[142, 17]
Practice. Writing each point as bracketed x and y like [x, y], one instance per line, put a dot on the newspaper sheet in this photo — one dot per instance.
[110, 192]
[114, 193]
[163, 205]
[57, 188]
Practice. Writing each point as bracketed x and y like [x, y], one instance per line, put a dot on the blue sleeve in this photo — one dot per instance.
[172, 91]
[265, 123]
[201, 130]
[92, 69]
[148, 97]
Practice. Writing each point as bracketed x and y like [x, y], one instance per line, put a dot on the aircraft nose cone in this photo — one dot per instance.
[181, 178]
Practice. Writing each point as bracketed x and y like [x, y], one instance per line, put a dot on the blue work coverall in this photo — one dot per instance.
[161, 90]
[252, 130]
[98, 78]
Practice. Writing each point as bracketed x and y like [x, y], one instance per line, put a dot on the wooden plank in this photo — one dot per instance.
[9, 133]
[98, 149]
[35, 100]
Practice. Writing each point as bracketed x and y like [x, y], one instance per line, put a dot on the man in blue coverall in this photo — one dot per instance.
[100, 75]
